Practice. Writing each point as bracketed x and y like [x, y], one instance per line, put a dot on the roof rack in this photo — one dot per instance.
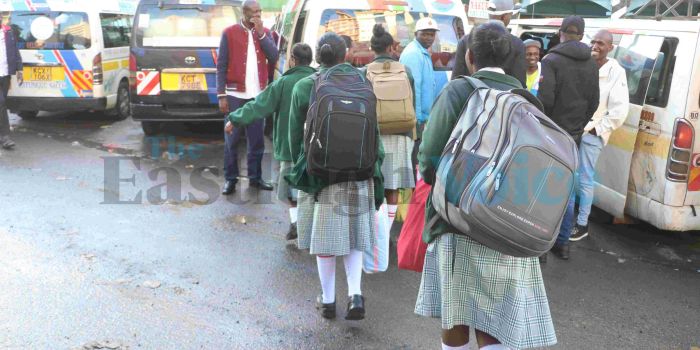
[658, 9]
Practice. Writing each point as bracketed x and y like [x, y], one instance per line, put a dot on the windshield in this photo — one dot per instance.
[51, 30]
[358, 24]
[183, 26]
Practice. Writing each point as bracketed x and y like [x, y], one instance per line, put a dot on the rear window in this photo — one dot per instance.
[183, 25]
[358, 24]
[51, 30]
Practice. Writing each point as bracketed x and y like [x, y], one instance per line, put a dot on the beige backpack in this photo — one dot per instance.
[395, 110]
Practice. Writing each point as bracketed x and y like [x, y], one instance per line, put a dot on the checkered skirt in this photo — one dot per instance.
[467, 283]
[339, 219]
[397, 166]
[284, 191]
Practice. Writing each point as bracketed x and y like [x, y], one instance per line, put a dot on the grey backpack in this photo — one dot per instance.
[507, 172]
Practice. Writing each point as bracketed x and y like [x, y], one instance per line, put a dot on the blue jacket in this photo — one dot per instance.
[418, 60]
[14, 59]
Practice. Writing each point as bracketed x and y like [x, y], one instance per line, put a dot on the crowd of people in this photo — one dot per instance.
[333, 213]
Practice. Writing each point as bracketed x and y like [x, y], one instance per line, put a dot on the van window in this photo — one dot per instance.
[358, 24]
[661, 77]
[51, 30]
[638, 58]
[183, 25]
[116, 30]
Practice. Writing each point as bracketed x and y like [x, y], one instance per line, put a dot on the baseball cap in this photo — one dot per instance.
[426, 23]
[502, 7]
[574, 21]
[531, 42]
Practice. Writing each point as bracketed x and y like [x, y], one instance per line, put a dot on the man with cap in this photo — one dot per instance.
[417, 58]
[500, 10]
[569, 92]
[532, 57]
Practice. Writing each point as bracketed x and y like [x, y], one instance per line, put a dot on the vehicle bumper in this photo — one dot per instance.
[56, 104]
[665, 217]
[159, 112]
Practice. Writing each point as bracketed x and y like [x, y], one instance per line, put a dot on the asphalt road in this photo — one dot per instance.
[182, 267]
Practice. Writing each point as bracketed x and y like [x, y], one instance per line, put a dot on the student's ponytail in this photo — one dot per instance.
[330, 49]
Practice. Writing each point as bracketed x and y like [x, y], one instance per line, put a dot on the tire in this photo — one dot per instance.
[123, 107]
[28, 114]
[150, 128]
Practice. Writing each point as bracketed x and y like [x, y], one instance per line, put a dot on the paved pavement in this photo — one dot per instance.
[78, 270]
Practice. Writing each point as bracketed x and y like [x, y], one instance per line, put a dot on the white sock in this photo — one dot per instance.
[392, 214]
[462, 347]
[326, 273]
[353, 270]
[293, 214]
[495, 347]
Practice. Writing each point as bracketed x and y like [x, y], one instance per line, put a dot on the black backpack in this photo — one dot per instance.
[341, 126]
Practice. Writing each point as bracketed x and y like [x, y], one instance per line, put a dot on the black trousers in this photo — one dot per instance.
[4, 117]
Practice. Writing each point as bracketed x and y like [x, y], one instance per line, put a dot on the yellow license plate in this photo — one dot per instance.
[43, 73]
[183, 82]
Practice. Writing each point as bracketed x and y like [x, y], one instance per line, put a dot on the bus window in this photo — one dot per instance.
[358, 24]
[116, 30]
[637, 54]
[662, 75]
[52, 30]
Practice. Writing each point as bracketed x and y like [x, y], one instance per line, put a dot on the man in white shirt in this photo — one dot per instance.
[10, 64]
[611, 114]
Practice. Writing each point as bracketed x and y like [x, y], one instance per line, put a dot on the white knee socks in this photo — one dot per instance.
[326, 273]
[463, 347]
[293, 214]
[392, 214]
[353, 270]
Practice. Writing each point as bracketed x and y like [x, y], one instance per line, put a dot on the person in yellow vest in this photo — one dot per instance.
[532, 58]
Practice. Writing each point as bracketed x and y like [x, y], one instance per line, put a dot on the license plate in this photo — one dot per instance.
[43, 73]
[183, 82]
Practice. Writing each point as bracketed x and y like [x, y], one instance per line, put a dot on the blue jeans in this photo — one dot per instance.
[590, 148]
[256, 146]
[567, 223]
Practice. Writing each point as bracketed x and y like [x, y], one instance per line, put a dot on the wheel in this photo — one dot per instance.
[122, 109]
[150, 128]
[27, 114]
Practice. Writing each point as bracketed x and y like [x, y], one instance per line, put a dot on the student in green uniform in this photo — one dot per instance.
[276, 99]
[465, 283]
[338, 219]
[397, 167]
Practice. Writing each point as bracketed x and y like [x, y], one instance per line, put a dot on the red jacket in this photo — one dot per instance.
[233, 57]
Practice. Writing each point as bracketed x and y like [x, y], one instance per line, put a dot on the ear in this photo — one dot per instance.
[470, 57]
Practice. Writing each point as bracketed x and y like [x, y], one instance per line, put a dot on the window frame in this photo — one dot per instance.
[125, 39]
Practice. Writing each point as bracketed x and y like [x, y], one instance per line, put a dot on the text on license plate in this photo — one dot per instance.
[183, 82]
[43, 73]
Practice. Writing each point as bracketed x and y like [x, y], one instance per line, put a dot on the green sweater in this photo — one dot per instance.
[276, 98]
[298, 177]
[443, 118]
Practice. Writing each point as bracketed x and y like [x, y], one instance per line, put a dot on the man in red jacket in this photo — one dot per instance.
[245, 51]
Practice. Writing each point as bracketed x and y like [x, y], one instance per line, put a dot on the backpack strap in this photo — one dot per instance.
[529, 97]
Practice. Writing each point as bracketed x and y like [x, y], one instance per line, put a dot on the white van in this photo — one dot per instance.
[650, 169]
[306, 20]
[75, 54]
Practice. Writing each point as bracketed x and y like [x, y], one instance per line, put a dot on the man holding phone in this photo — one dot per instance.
[245, 51]
[10, 64]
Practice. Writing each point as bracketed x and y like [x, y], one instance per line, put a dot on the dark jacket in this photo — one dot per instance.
[569, 87]
[14, 59]
[443, 118]
[515, 64]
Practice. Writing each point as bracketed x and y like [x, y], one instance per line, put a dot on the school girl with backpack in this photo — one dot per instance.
[393, 86]
[333, 136]
[464, 282]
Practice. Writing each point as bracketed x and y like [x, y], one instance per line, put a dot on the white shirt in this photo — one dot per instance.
[492, 69]
[4, 68]
[614, 100]
[252, 80]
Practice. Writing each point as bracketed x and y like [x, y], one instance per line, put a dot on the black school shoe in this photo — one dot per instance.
[327, 310]
[561, 251]
[578, 233]
[356, 308]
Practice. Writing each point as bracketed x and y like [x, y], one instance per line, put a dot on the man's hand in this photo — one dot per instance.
[223, 105]
[20, 78]
[258, 26]
[229, 127]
